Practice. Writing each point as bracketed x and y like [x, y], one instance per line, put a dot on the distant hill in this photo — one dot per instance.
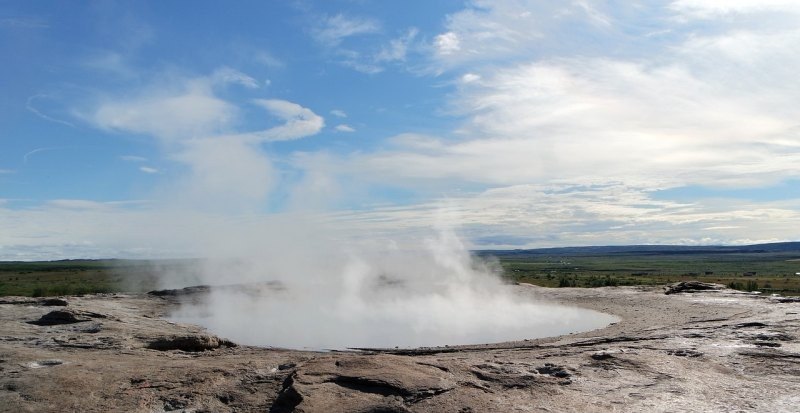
[647, 250]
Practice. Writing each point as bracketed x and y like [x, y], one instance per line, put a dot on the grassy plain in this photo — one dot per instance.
[770, 268]
[769, 272]
[75, 277]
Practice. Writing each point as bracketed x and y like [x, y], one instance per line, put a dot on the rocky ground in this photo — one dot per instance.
[715, 350]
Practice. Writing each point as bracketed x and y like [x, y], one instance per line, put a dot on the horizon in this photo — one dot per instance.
[472, 250]
[151, 130]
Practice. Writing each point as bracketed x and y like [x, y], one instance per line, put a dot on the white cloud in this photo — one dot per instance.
[344, 128]
[470, 77]
[227, 171]
[6, 171]
[359, 64]
[78, 204]
[397, 49]
[488, 30]
[133, 158]
[714, 107]
[712, 8]
[447, 43]
[336, 28]
[189, 111]
[339, 113]
[267, 59]
[598, 120]
[225, 75]
[300, 122]
[564, 215]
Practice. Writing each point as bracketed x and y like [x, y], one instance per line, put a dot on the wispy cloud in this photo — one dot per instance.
[339, 113]
[344, 128]
[709, 9]
[133, 158]
[397, 49]
[23, 23]
[226, 75]
[268, 59]
[27, 155]
[29, 104]
[111, 62]
[300, 122]
[334, 29]
[148, 170]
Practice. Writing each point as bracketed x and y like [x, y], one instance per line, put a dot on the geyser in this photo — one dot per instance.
[433, 296]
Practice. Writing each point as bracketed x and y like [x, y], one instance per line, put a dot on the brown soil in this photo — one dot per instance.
[702, 351]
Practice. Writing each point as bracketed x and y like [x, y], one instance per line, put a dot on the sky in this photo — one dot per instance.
[132, 128]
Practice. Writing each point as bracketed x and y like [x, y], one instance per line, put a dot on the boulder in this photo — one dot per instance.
[57, 317]
[691, 287]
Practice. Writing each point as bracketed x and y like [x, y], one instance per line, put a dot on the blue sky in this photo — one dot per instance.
[520, 123]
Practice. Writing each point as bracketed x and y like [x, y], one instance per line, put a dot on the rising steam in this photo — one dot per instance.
[437, 295]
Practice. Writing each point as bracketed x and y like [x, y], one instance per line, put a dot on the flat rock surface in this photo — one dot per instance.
[716, 350]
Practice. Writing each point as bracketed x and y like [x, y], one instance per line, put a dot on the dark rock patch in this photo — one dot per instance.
[58, 317]
[190, 343]
[684, 352]
[601, 355]
[786, 299]
[179, 292]
[774, 336]
[691, 287]
[173, 404]
[286, 366]
[54, 302]
[226, 398]
[750, 324]
[512, 376]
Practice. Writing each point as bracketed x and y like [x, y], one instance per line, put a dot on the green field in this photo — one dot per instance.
[770, 268]
[75, 277]
[769, 272]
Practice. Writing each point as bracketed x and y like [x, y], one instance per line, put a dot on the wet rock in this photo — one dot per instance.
[513, 376]
[553, 370]
[774, 336]
[45, 363]
[190, 343]
[175, 404]
[57, 317]
[691, 287]
[757, 324]
[286, 366]
[54, 302]
[766, 344]
[198, 289]
[361, 384]
[786, 299]
[684, 352]
[92, 329]
[601, 355]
